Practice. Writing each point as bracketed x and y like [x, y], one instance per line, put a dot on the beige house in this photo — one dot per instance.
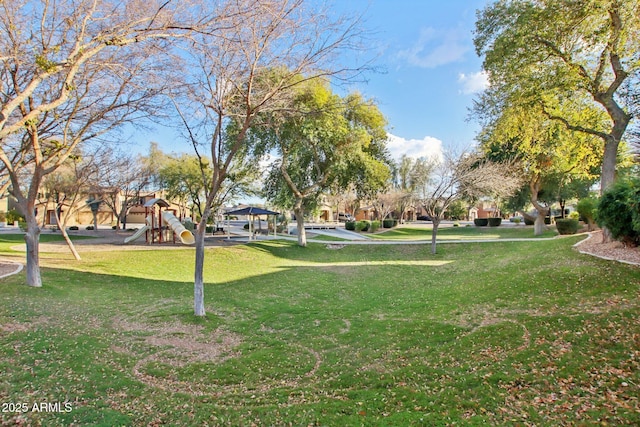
[83, 215]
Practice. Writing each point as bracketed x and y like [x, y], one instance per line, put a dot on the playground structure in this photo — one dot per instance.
[161, 226]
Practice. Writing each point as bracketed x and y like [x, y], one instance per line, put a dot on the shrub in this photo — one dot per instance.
[615, 211]
[74, 228]
[567, 225]
[13, 216]
[3, 216]
[350, 225]
[375, 225]
[494, 222]
[481, 222]
[363, 225]
[587, 210]
[90, 227]
[389, 223]
[456, 224]
[528, 221]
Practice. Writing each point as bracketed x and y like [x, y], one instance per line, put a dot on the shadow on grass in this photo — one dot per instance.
[328, 337]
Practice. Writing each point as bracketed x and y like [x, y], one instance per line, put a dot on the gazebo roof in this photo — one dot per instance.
[252, 210]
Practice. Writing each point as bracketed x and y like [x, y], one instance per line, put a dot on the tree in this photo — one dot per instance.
[184, 177]
[324, 142]
[565, 56]
[466, 176]
[246, 68]
[544, 150]
[71, 73]
[67, 188]
[120, 183]
[409, 175]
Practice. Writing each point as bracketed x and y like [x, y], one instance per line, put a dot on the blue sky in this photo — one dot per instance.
[431, 73]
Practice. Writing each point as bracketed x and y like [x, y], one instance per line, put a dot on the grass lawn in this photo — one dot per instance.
[516, 333]
[461, 233]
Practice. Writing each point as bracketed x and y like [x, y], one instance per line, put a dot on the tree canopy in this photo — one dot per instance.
[324, 141]
[568, 59]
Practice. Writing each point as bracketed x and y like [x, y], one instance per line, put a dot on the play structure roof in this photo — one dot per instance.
[252, 210]
[159, 202]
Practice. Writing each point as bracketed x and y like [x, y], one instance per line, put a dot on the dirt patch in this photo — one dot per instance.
[7, 268]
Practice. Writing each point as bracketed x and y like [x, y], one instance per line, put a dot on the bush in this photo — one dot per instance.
[13, 216]
[494, 222]
[74, 228]
[375, 225]
[3, 216]
[587, 209]
[481, 222]
[90, 227]
[617, 210]
[567, 225]
[389, 223]
[363, 225]
[350, 225]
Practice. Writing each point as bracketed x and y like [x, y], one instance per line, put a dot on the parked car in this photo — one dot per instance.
[424, 218]
[344, 217]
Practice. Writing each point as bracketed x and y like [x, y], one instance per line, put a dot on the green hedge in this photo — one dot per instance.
[481, 222]
[494, 222]
[619, 211]
[567, 225]
[350, 225]
[363, 225]
[375, 226]
[389, 223]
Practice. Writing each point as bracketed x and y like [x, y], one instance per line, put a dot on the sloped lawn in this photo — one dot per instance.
[520, 333]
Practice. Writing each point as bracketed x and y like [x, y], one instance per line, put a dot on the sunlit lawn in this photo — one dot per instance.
[518, 333]
[409, 232]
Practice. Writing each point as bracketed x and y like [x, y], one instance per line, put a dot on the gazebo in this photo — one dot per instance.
[253, 211]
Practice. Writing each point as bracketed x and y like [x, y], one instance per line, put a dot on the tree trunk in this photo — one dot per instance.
[538, 225]
[32, 239]
[302, 233]
[608, 175]
[198, 283]
[63, 230]
[434, 234]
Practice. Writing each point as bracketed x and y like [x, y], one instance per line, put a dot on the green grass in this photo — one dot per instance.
[461, 233]
[500, 333]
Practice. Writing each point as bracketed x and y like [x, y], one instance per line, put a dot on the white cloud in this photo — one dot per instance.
[428, 147]
[473, 83]
[436, 47]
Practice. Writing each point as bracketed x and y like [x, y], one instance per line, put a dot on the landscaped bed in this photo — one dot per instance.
[497, 333]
